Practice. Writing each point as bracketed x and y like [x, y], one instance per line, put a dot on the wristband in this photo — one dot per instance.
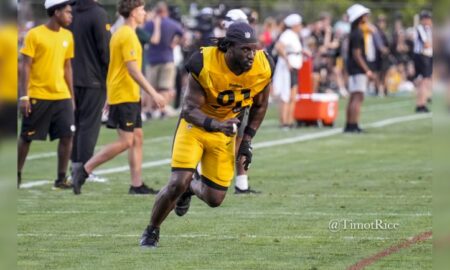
[26, 98]
[207, 124]
[249, 131]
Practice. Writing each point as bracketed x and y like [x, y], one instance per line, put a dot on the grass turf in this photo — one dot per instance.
[384, 174]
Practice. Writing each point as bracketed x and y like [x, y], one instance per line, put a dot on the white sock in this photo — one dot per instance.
[241, 182]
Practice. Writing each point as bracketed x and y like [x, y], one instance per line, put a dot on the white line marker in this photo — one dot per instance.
[35, 183]
[212, 237]
[53, 154]
[300, 138]
[247, 214]
[268, 121]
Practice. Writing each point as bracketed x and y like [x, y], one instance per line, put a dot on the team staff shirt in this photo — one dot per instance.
[124, 47]
[49, 50]
[8, 63]
[227, 93]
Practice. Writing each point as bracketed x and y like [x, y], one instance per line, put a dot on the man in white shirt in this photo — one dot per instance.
[290, 60]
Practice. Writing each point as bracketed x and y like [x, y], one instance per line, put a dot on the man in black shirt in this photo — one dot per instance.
[91, 33]
[358, 70]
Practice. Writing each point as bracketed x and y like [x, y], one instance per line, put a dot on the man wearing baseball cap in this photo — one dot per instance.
[224, 80]
[357, 67]
[423, 60]
[46, 94]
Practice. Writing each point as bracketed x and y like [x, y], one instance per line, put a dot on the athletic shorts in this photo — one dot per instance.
[8, 120]
[53, 117]
[214, 150]
[125, 116]
[357, 83]
[162, 76]
[423, 66]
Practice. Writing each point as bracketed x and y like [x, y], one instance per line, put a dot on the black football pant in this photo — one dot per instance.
[89, 103]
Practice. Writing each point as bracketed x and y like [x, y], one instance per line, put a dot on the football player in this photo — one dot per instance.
[224, 80]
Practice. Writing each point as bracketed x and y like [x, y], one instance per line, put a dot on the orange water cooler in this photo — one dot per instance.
[313, 108]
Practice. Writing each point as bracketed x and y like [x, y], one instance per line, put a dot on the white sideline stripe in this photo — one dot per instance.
[216, 237]
[335, 131]
[247, 213]
[145, 165]
[163, 138]
[53, 154]
[35, 183]
[301, 138]
[396, 120]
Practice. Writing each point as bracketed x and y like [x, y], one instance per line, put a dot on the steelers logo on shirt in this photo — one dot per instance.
[65, 44]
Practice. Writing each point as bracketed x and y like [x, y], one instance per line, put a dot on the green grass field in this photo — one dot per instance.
[382, 175]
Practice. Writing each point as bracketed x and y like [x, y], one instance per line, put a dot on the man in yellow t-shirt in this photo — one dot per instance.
[46, 92]
[223, 82]
[123, 95]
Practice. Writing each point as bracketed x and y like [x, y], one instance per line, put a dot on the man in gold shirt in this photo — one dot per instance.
[123, 84]
[46, 92]
[224, 81]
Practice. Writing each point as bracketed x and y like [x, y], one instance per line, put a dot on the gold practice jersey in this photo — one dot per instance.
[124, 47]
[227, 93]
[49, 50]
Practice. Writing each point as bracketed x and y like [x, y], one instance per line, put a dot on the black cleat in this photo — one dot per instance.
[354, 129]
[142, 190]
[62, 184]
[79, 176]
[150, 237]
[183, 203]
[245, 191]
[422, 109]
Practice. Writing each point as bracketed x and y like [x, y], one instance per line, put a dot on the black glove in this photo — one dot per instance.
[245, 149]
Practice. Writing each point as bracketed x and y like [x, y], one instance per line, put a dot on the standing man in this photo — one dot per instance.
[165, 34]
[123, 93]
[223, 81]
[46, 93]
[423, 60]
[90, 29]
[358, 70]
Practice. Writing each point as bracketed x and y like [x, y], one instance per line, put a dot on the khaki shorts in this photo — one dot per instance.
[162, 76]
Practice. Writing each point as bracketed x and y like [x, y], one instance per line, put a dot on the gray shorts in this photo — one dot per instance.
[358, 83]
[162, 76]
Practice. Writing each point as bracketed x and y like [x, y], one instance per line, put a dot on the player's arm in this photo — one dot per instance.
[68, 75]
[24, 104]
[255, 118]
[193, 100]
[137, 76]
[257, 112]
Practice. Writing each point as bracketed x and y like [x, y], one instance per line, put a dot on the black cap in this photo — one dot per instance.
[425, 14]
[241, 32]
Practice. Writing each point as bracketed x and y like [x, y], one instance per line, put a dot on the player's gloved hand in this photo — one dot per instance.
[245, 150]
[229, 127]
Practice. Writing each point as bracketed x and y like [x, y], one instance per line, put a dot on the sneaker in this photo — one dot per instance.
[422, 109]
[95, 178]
[183, 203]
[142, 190]
[79, 176]
[62, 184]
[150, 237]
[353, 128]
[245, 191]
